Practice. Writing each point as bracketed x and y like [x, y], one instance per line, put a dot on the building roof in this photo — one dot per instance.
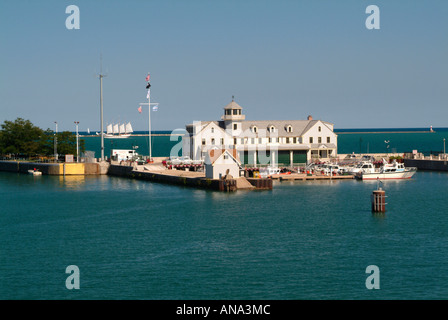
[233, 105]
[215, 154]
[299, 127]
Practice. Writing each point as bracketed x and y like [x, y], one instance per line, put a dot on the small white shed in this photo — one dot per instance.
[219, 163]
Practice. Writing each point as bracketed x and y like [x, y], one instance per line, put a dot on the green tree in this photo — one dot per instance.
[66, 143]
[20, 137]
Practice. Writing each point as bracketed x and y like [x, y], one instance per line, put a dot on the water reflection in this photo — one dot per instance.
[72, 182]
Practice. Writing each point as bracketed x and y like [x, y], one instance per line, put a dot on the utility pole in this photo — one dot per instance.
[149, 128]
[101, 76]
[77, 142]
[56, 143]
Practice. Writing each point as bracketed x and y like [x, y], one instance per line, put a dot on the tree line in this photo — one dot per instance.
[21, 138]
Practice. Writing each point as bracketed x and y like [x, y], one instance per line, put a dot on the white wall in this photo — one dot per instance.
[325, 132]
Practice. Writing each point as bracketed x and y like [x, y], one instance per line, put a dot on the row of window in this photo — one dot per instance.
[263, 140]
[235, 112]
[319, 140]
[271, 128]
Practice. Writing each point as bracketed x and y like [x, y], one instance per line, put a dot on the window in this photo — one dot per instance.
[319, 129]
[212, 130]
[213, 140]
[260, 140]
[235, 126]
[288, 128]
[311, 139]
[328, 139]
[203, 142]
[271, 129]
[235, 112]
[254, 129]
[319, 140]
[294, 140]
[226, 157]
[252, 140]
[228, 112]
[287, 139]
[234, 140]
[270, 140]
[222, 141]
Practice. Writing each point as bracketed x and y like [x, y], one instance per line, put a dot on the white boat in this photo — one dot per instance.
[35, 172]
[363, 166]
[118, 131]
[269, 171]
[394, 170]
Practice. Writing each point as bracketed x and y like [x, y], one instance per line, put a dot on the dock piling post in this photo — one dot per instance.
[379, 200]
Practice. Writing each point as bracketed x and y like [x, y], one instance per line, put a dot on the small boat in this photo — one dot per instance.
[35, 172]
[269, 171]
[394, 170]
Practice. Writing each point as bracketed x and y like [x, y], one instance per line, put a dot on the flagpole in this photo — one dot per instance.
[149, 131]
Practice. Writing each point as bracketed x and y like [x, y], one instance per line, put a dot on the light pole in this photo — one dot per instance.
[101, 76]
[77, 143]
[443, 146]
[56, 143]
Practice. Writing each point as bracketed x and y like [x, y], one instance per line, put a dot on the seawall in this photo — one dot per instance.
[422, 164]
[196, 182]
[54, 168]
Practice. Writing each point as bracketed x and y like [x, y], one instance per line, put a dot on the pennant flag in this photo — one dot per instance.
[148, 94]
[140, 109]
[147, 77]
[155, 108]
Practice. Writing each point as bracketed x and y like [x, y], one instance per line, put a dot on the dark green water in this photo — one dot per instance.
[141, 240]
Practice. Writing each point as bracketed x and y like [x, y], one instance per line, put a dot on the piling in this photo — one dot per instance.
[379, 200]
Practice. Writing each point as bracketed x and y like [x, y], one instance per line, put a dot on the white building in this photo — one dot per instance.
[266, 142]
[220, 163]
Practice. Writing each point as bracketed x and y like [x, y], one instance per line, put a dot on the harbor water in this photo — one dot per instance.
[135, 239]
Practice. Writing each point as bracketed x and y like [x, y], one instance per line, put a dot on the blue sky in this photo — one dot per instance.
[280, 59]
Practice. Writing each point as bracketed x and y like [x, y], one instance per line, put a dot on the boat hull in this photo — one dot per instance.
[121, 136]
[387, 175]
[35, 173]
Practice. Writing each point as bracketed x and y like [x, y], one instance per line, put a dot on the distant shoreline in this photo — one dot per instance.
[181, 134]
[358, 132]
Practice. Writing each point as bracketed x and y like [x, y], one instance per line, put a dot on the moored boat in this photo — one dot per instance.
[35, 172]
[394, 170]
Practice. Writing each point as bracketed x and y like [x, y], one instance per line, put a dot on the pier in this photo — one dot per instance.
[156, 172]
[304, 177]
[57, 169]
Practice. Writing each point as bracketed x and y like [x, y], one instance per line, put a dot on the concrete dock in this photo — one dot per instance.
[57, 169]
[304, 177]
[427, 164]
[156, 172]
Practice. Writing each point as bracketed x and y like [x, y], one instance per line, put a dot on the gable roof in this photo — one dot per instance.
[214, 154]
[299, 127]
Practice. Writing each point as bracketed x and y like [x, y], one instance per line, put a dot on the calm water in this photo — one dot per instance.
[349, 140]
[141, 240]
